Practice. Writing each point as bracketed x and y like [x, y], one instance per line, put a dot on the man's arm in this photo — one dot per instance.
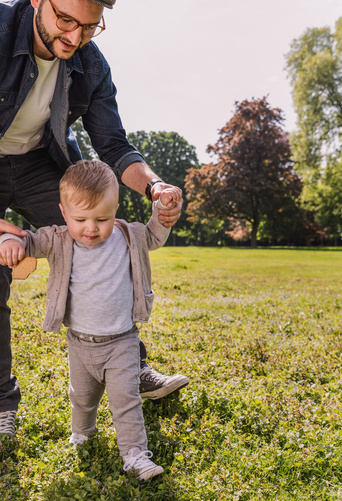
[137, 175]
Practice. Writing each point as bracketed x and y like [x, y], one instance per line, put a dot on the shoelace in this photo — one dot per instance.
[139, 461]
[7, 422]
[152, 376]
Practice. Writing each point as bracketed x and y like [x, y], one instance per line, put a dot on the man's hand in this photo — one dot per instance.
[170, 216]
[6, 227]
[11, 252]
[137, 175]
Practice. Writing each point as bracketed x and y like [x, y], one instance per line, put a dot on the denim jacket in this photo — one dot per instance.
[84, 89]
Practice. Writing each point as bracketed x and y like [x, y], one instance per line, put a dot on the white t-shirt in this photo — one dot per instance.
[27, 128]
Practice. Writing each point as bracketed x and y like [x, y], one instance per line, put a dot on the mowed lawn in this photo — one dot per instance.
[258, 332]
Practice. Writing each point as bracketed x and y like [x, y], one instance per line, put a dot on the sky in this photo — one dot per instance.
[180, 65]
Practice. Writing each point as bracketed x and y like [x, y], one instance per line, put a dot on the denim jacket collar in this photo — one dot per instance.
[24, 43]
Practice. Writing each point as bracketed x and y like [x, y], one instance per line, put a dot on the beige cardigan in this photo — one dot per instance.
[55, 244]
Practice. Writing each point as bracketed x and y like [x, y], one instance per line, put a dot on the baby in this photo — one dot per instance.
[99, 286]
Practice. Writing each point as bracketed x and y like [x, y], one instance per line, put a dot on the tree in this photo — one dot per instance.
[328, 200]
[83, 140]
[167, 153]
[253, 176]
[13, 217]
[314, 65]
[170, 156]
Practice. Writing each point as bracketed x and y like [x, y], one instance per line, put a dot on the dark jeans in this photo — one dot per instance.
[29, 185]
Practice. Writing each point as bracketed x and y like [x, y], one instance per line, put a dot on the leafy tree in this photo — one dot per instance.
[253, 177]
[13, 217]
[328, 199]
[83, 140]
[314, 65]
[132, 206]
[170, 156]
[315, 69]
[167, 153]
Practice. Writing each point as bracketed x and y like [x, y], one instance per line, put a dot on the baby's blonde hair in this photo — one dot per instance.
[86, 182]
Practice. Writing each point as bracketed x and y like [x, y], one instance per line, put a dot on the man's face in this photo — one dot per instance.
[50, 41]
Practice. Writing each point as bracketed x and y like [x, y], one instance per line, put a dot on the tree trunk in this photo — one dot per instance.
[254, 242]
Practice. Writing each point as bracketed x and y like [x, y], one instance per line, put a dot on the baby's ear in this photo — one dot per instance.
[62, 210]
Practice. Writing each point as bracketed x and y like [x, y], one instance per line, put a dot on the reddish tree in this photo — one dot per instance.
[253, 175]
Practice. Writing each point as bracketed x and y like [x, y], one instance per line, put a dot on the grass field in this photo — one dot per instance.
[258, 332]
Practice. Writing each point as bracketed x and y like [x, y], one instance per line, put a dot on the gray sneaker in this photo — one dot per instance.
[7, 423]
[154, 385]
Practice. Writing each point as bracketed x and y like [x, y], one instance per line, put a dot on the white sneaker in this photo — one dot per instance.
[140, 462]
[76, 439]
[7, 423]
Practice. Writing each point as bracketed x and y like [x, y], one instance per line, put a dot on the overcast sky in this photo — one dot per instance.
[180, 65]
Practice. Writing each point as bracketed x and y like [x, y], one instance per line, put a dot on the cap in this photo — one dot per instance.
[106, 3]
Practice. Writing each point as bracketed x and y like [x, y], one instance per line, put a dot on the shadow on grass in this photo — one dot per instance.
[155, 411]
[95, 473]
[8, 448]
[9, 469]
[57, 471]
[96, 470]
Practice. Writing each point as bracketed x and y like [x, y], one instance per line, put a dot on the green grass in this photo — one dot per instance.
[258, 332]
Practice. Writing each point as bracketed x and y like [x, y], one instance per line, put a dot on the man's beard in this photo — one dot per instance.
[47, 40]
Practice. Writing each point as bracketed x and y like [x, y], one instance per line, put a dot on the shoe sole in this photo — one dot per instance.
[151, 474]
[177, 384]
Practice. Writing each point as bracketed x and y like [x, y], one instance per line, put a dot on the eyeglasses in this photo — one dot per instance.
[68, 23]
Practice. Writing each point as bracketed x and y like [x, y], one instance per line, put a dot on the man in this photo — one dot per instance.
[51, 74]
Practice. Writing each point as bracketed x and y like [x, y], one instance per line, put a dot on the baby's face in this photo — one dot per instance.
[91, 226]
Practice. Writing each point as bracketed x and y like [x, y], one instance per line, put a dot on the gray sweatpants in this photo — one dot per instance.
[112, 364]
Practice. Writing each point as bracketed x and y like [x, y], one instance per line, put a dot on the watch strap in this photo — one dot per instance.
[149, 187]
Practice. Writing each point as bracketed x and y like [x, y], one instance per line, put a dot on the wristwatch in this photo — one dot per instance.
[149, 186]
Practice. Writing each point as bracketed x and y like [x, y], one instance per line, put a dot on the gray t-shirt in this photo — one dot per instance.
[100, 297]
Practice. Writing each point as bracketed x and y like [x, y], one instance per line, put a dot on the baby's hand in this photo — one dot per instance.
[11, 252]
[171, 196]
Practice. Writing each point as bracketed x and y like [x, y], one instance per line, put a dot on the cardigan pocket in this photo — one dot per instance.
[149, 298]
